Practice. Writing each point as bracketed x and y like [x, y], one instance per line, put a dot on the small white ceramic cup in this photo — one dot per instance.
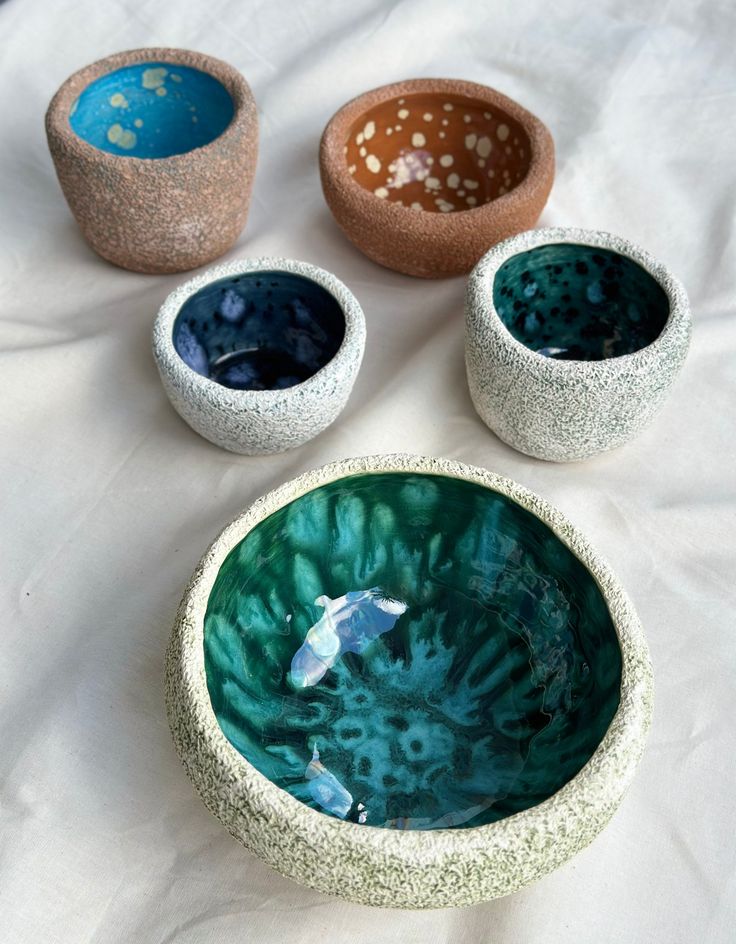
[259, 355]
[573, 340]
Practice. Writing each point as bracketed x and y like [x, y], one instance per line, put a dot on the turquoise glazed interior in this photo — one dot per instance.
[259, 330]
[410, 651]
[153, 110]
[576, 302]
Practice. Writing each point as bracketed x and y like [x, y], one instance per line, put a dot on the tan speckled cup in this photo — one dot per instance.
[160, 214]
[425, 175]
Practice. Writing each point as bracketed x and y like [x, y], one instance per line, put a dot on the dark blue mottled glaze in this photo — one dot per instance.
[410, 651]
[152, 110]
[260, 330]
[576, 302]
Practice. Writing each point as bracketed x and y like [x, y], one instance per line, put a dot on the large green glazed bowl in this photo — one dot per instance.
[408, 682]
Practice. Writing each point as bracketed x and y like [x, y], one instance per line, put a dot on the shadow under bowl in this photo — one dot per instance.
[417, 646]
[155, 151]
[425, 175]
[260, 355]
[573, 339]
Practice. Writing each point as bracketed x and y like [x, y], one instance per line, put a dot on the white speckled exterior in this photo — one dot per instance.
[393, 868]
[566, 410]
[254, 422]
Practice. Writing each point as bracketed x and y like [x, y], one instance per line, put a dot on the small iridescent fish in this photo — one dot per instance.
[349, 624]
[326, 789]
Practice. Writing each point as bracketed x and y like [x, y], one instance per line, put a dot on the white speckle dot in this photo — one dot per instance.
[471, 201]
[481, 162]
[372, 163]
[418, 139]
[447, 106]
[417, 206]
[445, 121]
[442, 134]
[389, 130]
[427, 116]
[467, 119]
[359, 138]
[453, 180]
[471, 184]
[501, 191]
[403, 113]
[401, 101]
[491, 172]
[487, 115]
[484, 146]
[502, 132]
[398, 127]
[381, 192]
[447, 160]
[470, 140]
[461, 193]
[369, 130]
[430, 161]
[352, 169]
[433, 183]
[362, 152]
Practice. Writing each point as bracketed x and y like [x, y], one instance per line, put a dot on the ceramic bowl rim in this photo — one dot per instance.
[480, 304]
[582, 800]
[334, 166]
[245, 113]
[169, 359]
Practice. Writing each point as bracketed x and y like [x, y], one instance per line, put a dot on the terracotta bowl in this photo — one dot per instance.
[425, 175]
[155, 150]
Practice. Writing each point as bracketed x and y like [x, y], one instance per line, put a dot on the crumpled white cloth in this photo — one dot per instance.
[109, 499]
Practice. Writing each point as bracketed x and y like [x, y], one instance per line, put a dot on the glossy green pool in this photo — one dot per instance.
[410, 651]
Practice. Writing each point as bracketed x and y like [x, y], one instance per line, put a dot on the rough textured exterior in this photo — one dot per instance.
[418, 242]
[566, 410]
[163, 215]
[253, 422]
[394, 868]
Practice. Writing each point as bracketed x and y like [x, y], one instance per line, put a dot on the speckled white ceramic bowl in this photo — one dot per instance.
[254, 422]
[393, 867]
[568, 409]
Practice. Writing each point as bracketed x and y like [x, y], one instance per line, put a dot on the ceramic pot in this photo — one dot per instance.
[408, 682]
[259, 355]
[423, 176]
[573, 340]
[155, 150]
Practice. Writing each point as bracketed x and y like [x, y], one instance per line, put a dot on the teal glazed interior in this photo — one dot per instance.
[410, 651]
[152, 110]
[575, 302]
[259, 330]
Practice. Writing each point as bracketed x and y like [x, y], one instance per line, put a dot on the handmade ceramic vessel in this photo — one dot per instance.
[155, 150]
[424, 175]
[408, 682]
[259, 355]
[573, 340]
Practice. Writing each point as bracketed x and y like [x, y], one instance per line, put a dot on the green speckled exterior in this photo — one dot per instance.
[395, 868]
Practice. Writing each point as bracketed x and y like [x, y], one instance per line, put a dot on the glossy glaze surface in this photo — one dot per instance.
[152, 110]
[410, 651]
[576, 302]
[259, 330]
[435, 152]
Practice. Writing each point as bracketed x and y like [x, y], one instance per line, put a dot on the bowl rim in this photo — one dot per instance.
[334, 167]
[231, 784]
[196, 385]
[481, 309]
[244, 119]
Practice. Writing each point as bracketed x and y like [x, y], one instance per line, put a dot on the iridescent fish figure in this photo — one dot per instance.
[326, 789]
[349, 624]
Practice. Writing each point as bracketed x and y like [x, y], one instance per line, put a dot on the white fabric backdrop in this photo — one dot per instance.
[109, 499]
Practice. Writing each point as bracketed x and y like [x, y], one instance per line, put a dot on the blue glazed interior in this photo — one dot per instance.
[576, 302]
[152, 110]
[411, 652]
[259, 330]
